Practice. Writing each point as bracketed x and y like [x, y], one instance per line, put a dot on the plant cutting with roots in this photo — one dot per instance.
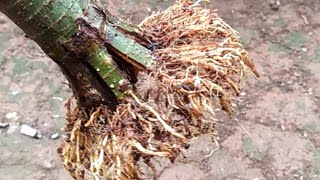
[140, 91]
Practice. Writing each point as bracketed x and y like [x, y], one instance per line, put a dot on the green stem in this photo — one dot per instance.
[77, 35]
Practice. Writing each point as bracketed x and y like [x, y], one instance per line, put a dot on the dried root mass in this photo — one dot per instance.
[200, 63]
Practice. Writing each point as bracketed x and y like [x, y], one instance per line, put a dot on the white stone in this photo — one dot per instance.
[55, 136]
[29, 131]
[12, 115]
[3, 125]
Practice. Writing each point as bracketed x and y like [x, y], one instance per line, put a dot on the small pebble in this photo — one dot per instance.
[29, 131]
[289, 82]
[4, 125]
[275, 4]
[242, 94]
[48, 165]
[57, 98]
[296, 74]
[55, 136]
[55, 116]
[12, 115]
[14, 93]
[264, 18]
[304, 49]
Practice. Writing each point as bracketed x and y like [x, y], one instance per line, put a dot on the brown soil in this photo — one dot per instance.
[274, 135]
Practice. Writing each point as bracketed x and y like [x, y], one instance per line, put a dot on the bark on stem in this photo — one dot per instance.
[77, 35]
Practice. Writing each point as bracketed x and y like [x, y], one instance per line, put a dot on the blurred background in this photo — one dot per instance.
[275, 133]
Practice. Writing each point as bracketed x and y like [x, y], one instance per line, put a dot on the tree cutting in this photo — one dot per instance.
[139, 91]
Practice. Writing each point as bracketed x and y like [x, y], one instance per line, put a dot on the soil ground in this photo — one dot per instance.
[274, 135]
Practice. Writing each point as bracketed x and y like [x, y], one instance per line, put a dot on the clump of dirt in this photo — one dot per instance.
[200, 63]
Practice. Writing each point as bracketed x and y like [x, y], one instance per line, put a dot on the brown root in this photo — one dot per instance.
[200, 64]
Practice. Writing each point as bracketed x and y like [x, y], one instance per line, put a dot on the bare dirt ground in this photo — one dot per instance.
[274, 135]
